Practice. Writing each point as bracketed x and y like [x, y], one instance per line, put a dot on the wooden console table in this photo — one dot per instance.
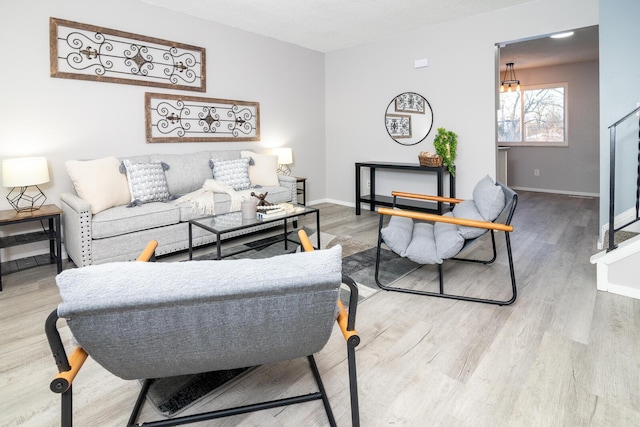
[379, 200]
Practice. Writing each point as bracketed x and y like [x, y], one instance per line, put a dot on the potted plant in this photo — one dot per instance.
[445, 144]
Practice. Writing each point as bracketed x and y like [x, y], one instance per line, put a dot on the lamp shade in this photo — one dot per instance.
[24, 172]
[285, 155]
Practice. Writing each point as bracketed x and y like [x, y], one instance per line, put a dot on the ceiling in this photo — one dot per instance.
[544, 51]
[328, 25]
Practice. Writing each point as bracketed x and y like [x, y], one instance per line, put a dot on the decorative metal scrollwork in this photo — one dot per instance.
[176, 118]
[82, 51]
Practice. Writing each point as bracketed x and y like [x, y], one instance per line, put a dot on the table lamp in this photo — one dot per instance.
[285, 158]
[20, 174]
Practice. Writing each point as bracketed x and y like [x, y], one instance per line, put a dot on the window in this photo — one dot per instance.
[534, 116]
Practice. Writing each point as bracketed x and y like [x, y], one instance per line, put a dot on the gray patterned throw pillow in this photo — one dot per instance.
[232, 172]
[147, 182]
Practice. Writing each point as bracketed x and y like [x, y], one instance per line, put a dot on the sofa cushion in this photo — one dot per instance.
[263, 169]
[99, 182]
[187, 172]
[489, 198]
[232, 172]
[147, 181]
[123, 220]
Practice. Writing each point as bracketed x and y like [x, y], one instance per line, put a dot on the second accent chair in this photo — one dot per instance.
[431, 239]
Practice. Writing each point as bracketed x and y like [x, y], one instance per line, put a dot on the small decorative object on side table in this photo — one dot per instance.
[52, 213]
[303, 190]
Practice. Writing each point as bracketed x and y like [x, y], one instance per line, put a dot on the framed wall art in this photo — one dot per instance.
[178, 118]
[87, 52]
[410, 102]
[398, 125]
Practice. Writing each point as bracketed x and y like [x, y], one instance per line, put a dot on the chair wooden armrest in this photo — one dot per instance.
[426, 197]
[448, 219]
[64, 379]
[149, 252]
[68, 367]
[346, 320]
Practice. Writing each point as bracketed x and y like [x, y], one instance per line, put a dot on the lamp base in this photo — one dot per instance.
[23, 202]
[284, 170]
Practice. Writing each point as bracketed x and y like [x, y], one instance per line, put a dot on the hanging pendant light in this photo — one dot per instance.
[509, 79]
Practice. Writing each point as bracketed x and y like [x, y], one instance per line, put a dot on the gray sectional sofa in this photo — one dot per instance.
[99, 234]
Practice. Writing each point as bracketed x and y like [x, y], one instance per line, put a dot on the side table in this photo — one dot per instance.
[51, 213]
[303, 190]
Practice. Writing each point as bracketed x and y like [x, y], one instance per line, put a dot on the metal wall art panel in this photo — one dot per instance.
[177, 118]
[410, 102]
[398, 125]
[87, 52]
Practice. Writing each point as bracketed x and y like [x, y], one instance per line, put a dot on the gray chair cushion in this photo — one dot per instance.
[422, 248]
[449, 241]
[150, 320]
[397, 234]
[468, 210]
[489, 198]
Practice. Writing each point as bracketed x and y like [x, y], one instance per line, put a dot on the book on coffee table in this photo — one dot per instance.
[272, 212]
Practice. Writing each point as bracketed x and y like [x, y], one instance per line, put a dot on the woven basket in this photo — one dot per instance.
[432, 161]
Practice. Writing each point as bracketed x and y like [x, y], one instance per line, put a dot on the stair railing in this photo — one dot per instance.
[612, 180]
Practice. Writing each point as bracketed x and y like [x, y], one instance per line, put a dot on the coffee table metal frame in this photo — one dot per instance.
[232, 222]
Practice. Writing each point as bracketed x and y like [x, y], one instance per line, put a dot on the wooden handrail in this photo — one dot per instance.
[448, 219]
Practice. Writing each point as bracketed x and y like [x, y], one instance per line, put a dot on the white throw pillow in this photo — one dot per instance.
[99, 182]
[263, 169]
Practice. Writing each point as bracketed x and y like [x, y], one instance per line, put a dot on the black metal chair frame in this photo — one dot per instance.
[507, 213]
[69, 367]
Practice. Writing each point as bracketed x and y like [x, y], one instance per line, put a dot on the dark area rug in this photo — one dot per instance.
[170, 396]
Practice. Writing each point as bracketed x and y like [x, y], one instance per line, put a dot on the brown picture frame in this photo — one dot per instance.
[182, 118]
[88, 52]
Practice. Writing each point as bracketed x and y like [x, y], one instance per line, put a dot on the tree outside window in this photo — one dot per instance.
[535, 116]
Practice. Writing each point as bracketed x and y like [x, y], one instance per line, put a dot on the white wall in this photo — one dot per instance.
[71, 119]
[574, 169]
[459, 83]
[619, 92]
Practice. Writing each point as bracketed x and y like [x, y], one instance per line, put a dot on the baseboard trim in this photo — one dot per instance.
[566, 193]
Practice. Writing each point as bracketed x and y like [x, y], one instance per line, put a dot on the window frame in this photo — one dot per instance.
[524, 143]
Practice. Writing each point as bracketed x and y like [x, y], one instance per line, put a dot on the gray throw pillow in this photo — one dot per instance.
[489, 198]
[232, 172]
[468, 210]
[422, 248]
[448, 239]
[147, 182]
[397, 234]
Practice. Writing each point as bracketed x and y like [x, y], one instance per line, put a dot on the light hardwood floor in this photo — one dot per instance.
[562, 355]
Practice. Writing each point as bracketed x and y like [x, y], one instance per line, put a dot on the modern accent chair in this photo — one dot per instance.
[143, 320]
[431, 239]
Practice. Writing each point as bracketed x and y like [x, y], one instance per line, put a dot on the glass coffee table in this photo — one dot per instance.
[233, 222]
